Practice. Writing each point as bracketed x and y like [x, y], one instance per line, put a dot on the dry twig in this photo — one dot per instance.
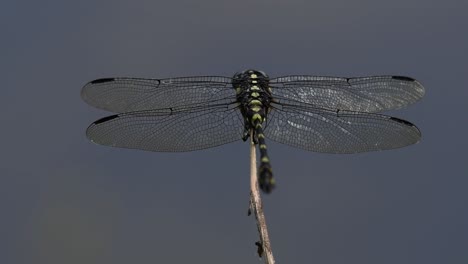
[264, 246]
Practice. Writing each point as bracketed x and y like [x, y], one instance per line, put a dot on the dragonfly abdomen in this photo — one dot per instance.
[265, 173]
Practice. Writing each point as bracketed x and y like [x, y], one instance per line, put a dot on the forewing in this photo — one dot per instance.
[326, 131]
[362, 94]
[121, 95]
[169, 130]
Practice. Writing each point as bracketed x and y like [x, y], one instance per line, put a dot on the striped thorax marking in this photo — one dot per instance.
[256, 109]
[255, 102]
[256, 117]
[254, 88]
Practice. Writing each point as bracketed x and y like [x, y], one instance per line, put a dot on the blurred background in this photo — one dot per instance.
[66, 200]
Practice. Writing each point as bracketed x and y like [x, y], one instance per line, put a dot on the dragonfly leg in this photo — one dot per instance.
[246, 135]
[247, 128]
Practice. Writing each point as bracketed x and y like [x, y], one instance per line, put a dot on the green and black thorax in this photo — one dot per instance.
[253, 94]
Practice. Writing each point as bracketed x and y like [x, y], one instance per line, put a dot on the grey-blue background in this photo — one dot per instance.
[65, 200]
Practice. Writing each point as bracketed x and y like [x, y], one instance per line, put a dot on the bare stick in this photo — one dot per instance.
[264, 247]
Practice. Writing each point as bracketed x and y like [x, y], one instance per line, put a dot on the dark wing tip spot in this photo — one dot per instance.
[102, 80]
[105, 119]
[403, 78]
[409, 124]
[401, 121]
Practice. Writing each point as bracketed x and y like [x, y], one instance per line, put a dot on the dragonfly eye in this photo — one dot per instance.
[262, 73]
[241, 74]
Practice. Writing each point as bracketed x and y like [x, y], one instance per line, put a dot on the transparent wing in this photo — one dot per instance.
[121, 95]
[169, 130]
[363, 94]
[327, 131]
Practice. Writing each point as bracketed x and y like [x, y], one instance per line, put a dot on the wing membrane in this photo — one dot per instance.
[121, 95]
[169, 130]
[362, 94]
[326, 131]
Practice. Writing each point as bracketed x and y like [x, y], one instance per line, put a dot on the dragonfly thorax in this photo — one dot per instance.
[253, 95]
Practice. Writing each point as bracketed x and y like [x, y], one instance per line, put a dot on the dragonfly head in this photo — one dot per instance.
[250, 74]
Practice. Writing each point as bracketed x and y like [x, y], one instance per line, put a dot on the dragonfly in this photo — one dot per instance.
[314, 113]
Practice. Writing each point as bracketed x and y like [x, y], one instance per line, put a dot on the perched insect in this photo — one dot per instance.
[321, 114]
